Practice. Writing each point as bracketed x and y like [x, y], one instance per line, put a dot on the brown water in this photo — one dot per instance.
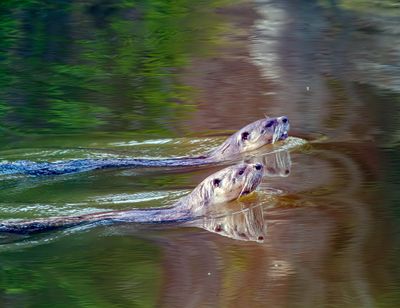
[326, 234]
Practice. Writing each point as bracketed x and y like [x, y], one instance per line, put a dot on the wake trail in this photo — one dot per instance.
[81, 165]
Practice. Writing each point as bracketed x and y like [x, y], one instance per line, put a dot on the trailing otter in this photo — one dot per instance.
[225, 185]
[245, 221]
[250, 137]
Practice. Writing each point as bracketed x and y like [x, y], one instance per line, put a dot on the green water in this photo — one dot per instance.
[156, 79]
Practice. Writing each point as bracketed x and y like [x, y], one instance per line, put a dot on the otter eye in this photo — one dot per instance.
[241, 171]
[269, 124]
[216, 182]
[245, 136]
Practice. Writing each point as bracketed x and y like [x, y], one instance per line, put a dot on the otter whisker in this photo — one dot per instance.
[245, 186]
[241, 192]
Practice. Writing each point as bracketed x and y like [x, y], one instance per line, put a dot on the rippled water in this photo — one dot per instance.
[155, 79]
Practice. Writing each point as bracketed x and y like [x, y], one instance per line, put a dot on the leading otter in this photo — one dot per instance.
[225, 185]
[250, 137]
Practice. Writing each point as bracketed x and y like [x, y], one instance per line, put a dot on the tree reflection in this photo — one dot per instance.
[73, 66]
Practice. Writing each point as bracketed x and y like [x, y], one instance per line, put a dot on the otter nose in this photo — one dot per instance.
[284, 119]
[258, 166]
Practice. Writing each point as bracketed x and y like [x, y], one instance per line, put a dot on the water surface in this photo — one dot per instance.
[155, 79]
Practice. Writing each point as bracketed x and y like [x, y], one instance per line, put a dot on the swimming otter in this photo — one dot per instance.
[225, 185]
[250, 137]
[245, 221]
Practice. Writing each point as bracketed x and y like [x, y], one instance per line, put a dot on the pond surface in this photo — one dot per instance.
[157, 79]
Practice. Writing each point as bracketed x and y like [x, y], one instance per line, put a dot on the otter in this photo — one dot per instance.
[250, 137]
[225, 185]
[245, 221]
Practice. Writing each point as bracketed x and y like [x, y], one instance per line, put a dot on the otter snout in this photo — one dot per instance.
[284, 126]
[283, 120]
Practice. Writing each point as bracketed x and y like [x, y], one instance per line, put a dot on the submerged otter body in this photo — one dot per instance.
[250, 137]
[225, 185]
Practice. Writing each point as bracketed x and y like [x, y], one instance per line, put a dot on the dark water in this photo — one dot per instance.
[163, 79]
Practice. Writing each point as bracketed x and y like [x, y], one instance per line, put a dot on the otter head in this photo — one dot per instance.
[226, 185]
[253, 136]
[262, 132]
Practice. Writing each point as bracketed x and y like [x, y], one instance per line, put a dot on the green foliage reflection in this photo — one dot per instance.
[86, 271]
[73, 66]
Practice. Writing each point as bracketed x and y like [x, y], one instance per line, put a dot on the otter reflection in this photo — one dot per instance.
[276, 164]
[246, 225]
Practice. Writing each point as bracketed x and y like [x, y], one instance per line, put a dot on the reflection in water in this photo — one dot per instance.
[313, 234]
[314, 239]
[277, 164]
[322, 70]
[332, 233]
[246, 225]
[120, 74]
